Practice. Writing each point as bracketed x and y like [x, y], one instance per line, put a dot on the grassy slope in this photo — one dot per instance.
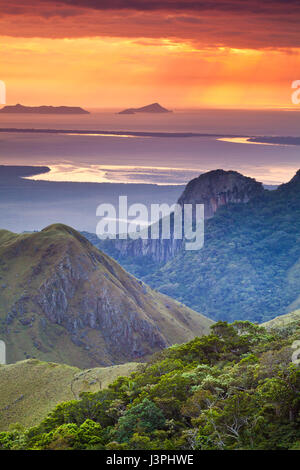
[283, 320]
[28, 260]
[30, 389]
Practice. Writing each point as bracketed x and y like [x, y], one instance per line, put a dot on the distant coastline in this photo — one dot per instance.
[262, 140]
[230, 138]
[114, 133]
[276, 140]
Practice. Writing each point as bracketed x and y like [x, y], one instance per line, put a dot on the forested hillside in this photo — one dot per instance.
[236, 388]
[249, 267]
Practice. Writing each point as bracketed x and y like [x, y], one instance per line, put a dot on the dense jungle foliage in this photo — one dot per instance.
[236, 388]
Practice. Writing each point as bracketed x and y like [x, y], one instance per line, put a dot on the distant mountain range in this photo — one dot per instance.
[63, 300]
[150, 108]
[20, 109]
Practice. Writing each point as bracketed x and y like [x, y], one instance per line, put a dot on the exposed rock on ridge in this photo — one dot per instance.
[218, 188]
[78, 306]
[213, 189]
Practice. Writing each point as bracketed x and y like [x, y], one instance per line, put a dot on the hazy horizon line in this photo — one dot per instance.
[172, 107]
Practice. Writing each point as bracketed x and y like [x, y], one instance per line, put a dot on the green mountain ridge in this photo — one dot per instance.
[249, 267]
[62, 300]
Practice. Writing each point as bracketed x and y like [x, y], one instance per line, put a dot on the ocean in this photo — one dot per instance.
[165, 163]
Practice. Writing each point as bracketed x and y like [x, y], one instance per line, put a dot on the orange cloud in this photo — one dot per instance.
[117, 53]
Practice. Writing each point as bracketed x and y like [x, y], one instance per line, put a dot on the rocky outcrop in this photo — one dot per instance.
[213, 189]
[218, 188]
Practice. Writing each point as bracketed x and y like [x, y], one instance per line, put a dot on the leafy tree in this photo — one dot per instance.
[143, 417]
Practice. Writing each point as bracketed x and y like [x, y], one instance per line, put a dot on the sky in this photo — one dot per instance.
[117, 53]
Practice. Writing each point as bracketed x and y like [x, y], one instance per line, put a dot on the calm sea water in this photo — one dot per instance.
[70, 195]
[91, 158]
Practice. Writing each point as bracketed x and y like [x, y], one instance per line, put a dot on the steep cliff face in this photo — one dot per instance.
[63, 300]
[218, 188]
[213, 189]
[159, 250]
[249, 263]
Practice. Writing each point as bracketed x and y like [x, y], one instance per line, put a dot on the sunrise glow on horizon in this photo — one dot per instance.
[99, 56]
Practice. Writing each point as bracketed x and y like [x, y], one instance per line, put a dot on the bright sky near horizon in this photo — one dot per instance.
[117, 53]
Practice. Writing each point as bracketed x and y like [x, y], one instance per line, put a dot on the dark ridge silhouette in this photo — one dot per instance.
[154, 108]
[20, 109]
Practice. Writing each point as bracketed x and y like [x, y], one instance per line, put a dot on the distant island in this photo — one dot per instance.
[20, 109]
[150, 108]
